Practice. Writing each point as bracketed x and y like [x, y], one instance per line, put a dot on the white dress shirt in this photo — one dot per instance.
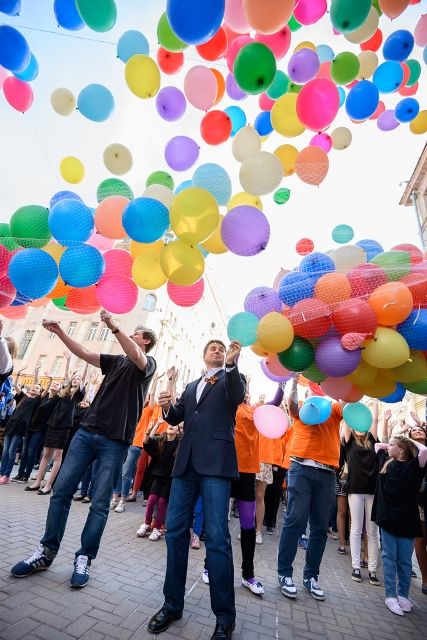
[202, 384]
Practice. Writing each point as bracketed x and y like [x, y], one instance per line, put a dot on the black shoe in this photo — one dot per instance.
[413, 574]
[23, 480]
[40, 492]
[356, 575]
[162, 619]
[342, 551]
[32, 488]
[202, 535]
[373, 579]
[17, 478]
[270, 531]
[223, 631]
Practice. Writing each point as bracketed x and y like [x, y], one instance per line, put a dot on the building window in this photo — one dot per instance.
[103, 334]
[150, 302]
[92, 331]
[71, 328]
[42, 362]
[51, 336]
[57, 365]
[25, 343]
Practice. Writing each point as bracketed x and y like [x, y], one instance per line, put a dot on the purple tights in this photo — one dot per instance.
[162, 505]
[246, 514]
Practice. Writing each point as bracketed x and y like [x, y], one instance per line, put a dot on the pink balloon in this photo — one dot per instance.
[271, 421]
[201, 87]
[234, 49]
[3, 75]
[274, 370]
[309, 11]
[278, 278]
[322, 140]
[118, 264]
[279, 42]
[18, 93]
[318, 103]
[100, 242]
[337, 388]
[118, 295]
[265, 103]
[235, 16]
[186, 296]
[420, 33]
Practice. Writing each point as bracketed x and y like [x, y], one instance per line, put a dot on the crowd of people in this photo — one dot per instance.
[193, 458]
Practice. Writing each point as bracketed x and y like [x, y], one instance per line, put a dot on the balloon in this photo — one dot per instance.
[309, 11]
[108, 217]
[278, 42]
[331, 358]
[194, 215]
[244, 198]
[354, 315]
[325, 53]
[18, 93]
[63, 101]
[358, 417]
[10, 7]
[245, 230]
[366, 30]
[392, 303]
[347, 16]
[181, 264]
[233, 49]
[82, 300]
[317, 103]
[95, 102]
[417, 387]
[281, 196]
[397, 395]
[341, 138]
[246, 143]
[347, 257]
[31, 72]
[274, 332]
[370, 247]
[113, 187]
[303, 66]
[81, 265]
[33, 272]
[215, 48]
[415, 71]
[169, 62]
[420, 33]
[388, 76]
[262, 300]
[272, 368]
[312, 373]
[213, 178]
[195, 23]
[296, 286]
[312, 165]
[270, 421]
[145, 219]
[395, 264]
[63, 195]
[413, 370]
[200, 87]
[234, 16]
[398, 46]
[299, 356]
[99, 15]
[337, 388]
[29, 226]
[387, 350]
[269, 17]
[167, 37]
[364, 278]
[345, 68]
[142, 76]
[72, 169]
[70, 222]
[261, 173]
[287, 155]
[181, 153]
[315, 410]
[118, 263]
[322, 140]
[362, 100]
[393, 8]
[214, 243]
[243, 327]
[233, 90]
[310, 318]
[15, 53]
[332, 288]
[406, 110]
[414, 329]
[374, 43]
[368, 62]
[215, 127]
[146, 269]
[254, 68]
[284, 117]
[132, 43]
[7, 292]
[415, 255]
[118, 159]
[117, 294]
[304, 246]
[263, 123]
[237, 117]
[364, 374]
[342, 233]
[186, 296]
[170, 104]
[277, 89]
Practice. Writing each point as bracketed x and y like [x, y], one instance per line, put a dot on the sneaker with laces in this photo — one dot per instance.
[80, 576]
[287, 587]
[393, 605]
[253, 585]
[258, 538]
[270, 531]
[143, 530]
[373, 579]
[356, 575]
[155, 535]
[113, 504]
[195, 541]
[405, 604]
[41, 559]
[314, 588]
[17, 478]
[205, 576]
[120, 507]
[342, 551]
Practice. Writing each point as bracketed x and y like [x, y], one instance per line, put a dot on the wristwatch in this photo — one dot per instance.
[116, 330]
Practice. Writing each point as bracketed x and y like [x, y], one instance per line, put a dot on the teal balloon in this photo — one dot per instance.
[279, 86]
[33, 272]
[95, 102]
[349, 15]
[132, 43]
[358, 417]
[342, 233]
[31, 72]
[315, 410]
[214, 179]
[237, 117]
[243, 327]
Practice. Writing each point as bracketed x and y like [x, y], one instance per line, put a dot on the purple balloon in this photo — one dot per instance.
[386, 121]
[262, 300]
[245, 230]
[332, 359]
[234, 92]
[272, 376]
[303, 66]
[181, 153]
[171, 103]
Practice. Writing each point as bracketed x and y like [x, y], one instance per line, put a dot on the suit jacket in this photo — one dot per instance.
[208, 438]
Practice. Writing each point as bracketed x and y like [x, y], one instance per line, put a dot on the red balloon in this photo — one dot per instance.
[409, 91]
[374, 43]
[354, 314]
[215, 48]
[416, 281]
[325, 70]
[215, 127]
[186, 296]
[7, 292]
[365, 278]
[83, 300]
[304, 246]
[416, 255]
[316, 388]
[378, 111]
[354, 395]
[169, 61]
[310, 318]
[118, 263]
[5, 258]
[231, 35]
[406, 74]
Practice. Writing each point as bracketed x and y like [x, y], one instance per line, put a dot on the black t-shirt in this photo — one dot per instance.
[362, 466]
[42, 414]
[63, 413]
[117, 407]
[395, 507]
[162, 457]
[21, 418]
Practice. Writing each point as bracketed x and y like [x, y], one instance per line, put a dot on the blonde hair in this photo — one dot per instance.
[363, 441]
[406, 446]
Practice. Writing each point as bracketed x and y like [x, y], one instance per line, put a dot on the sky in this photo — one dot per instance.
[362, 189]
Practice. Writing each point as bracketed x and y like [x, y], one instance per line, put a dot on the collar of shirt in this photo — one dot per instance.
[201, 385]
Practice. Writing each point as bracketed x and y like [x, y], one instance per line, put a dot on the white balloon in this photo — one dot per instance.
[341, 138]
[63, 101]
[368, 63]
[261, 173]
[118, 159]
[161, 193]
[366, 30]
[347, 257]
[246, 142]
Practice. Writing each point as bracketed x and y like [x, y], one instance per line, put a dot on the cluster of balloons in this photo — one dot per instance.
[18, 65]
[352, 321]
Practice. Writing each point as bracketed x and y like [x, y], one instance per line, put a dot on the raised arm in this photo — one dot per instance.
[67, 355]
[130, 347]
[293, 399]
[75, 348]
[278, 397]
[6, 363]
[374, 428]
[172, 374]
[49, 384]
[235, 384]
[37, 373]
[422, 453]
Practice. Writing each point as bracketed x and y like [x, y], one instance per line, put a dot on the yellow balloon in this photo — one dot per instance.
[259, 350]
[419, 124]
[118, 159]
[214, 243]
[142, 248]
[55, 250]
[63, 101]
[246, 142]
[368, 63]
[364, 374]
[305, 45]
[387, 350]
[194, 215]
[243, 198]
[380, 387]
[261, 173]
[287, 155]
[147, 272]
[366, 30]
[275, 333]
[142, 76]
[413, 370]
[341, 138]
[181, 263]
[284, 117]
[72, 169]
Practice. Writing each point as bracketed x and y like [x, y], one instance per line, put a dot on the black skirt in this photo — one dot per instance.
[244, 487]
[161, 486]
[56, 438]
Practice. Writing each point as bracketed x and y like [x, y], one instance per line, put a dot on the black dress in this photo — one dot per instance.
[61, 420]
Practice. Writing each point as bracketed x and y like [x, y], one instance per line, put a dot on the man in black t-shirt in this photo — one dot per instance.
[105, 435]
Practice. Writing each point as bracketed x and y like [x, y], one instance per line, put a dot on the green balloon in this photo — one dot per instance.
[29, 226]
[281, 196]
[279, 86]
[342, 233]
[160, 177]
[293, 24]
[376, 4]
[60, 303]
[349, 15]
[345, 67]
[395, 264]
[254, 68]
[419, 387]
[98, 15]
[415, 69]
[314, 374]
[166, 37]
[113, 187]
[6, 239]
[294, 88]
[299, 356]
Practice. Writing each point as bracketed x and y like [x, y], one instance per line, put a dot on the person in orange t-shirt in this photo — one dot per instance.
[314, 453]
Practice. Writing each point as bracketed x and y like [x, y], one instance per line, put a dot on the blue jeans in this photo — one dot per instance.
[123, 485]
[33, 441]
[397, 564]
[198, 517]
[310, 495]
[88, 480]
[215, 493]
[85, 447]
[10, 446]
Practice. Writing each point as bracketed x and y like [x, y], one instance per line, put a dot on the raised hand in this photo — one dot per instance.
[108, 319]
[164, 399]
[52, 326]
[387, 414]
[233, 353]
[67, 354]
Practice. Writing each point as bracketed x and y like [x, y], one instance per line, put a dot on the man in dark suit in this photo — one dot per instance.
[205, 464]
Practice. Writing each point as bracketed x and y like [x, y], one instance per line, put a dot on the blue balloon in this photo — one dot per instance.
[414, 329]
[406, 110]
[71, 222]
[263, 124]
[371, 247]
[195, 22]
[67, 15]
[95, 102]
[31, 72]
[237, 117]
[342, 95]
[20, 300]
[10, 7]
[202, 250]
[184, 185]
[317, 264]
[315, 410]
[362, 100]
[397, 395]
[425, 55]
[145, 219]
[132, 43]
[296, 286]
[15, 53]
[33, 272]
[388, 76]
[398, 46]
[63, 195]
[325, 53]
[214, 179]
[81, 265]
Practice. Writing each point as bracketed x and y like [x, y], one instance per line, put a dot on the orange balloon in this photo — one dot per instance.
[312, 165]
[259, 350]
[108, 217]
[83, 300]
[268, 16]
[392, 303]
[40, 302]
[15, 313]
[333, 288]
[61, 289]
[354, 395]
[393, 8]
[221, 85]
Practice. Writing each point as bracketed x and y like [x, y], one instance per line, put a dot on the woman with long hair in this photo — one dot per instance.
[419, 433]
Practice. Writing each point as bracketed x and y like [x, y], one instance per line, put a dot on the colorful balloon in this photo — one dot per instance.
[245, 230]
[145, 219]
[243, 327]
[272, 422]
[98, 16]
[181, 152]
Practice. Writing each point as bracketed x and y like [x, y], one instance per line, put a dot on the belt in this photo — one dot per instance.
[318, 465]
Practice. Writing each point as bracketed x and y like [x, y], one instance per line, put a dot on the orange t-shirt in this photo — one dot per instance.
[286, 444]
[247, 440]
[320, 443]
[142, 425]
[270, 450]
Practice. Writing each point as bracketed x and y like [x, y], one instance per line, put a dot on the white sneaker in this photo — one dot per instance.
[287, 587]
[256, 587]
[113, 504]
[155, 535]
[394, 606]
[314, 588]
[143, 530]
[258, 538]
[239, 536]
[405, 604]
[120, 507]
[205, 576]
